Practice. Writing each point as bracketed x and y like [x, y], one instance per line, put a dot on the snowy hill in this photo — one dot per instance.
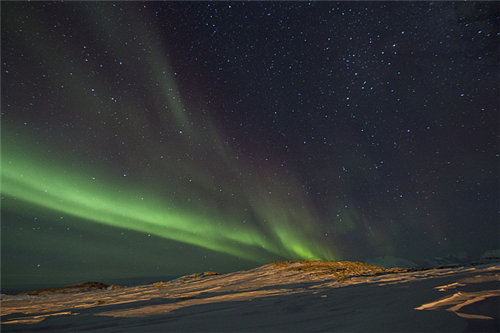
[279, 297]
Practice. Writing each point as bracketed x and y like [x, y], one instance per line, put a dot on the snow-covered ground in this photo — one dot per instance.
[284, 297]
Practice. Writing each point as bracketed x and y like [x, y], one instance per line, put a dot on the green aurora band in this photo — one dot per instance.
[280, 221]
[122, 153]
[45, 184]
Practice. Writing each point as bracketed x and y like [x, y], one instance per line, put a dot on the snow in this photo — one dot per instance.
[491, 254]
[282, 297]
[390, 261]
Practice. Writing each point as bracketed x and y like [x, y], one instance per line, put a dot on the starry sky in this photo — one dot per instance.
[161, 139]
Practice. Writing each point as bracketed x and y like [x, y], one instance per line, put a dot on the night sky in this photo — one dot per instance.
[161, 139]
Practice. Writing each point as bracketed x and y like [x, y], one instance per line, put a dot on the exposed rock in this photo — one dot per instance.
[195, 276]
[76, 288]
[342, 270]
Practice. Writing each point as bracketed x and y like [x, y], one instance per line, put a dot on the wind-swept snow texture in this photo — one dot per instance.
[294, 296]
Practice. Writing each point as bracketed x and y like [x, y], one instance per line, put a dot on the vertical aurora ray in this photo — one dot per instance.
[183, 135]
[176, 177]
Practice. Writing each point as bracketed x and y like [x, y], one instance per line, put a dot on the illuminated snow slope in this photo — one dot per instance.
[283, 296]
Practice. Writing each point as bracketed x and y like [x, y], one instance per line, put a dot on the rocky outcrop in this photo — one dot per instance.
[76, 288]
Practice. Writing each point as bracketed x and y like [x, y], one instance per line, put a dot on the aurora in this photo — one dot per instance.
[149, 139]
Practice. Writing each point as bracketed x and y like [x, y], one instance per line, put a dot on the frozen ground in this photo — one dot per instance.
[280, 297]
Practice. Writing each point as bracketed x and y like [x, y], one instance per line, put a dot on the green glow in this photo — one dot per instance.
[52, 186]
[279, 223]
